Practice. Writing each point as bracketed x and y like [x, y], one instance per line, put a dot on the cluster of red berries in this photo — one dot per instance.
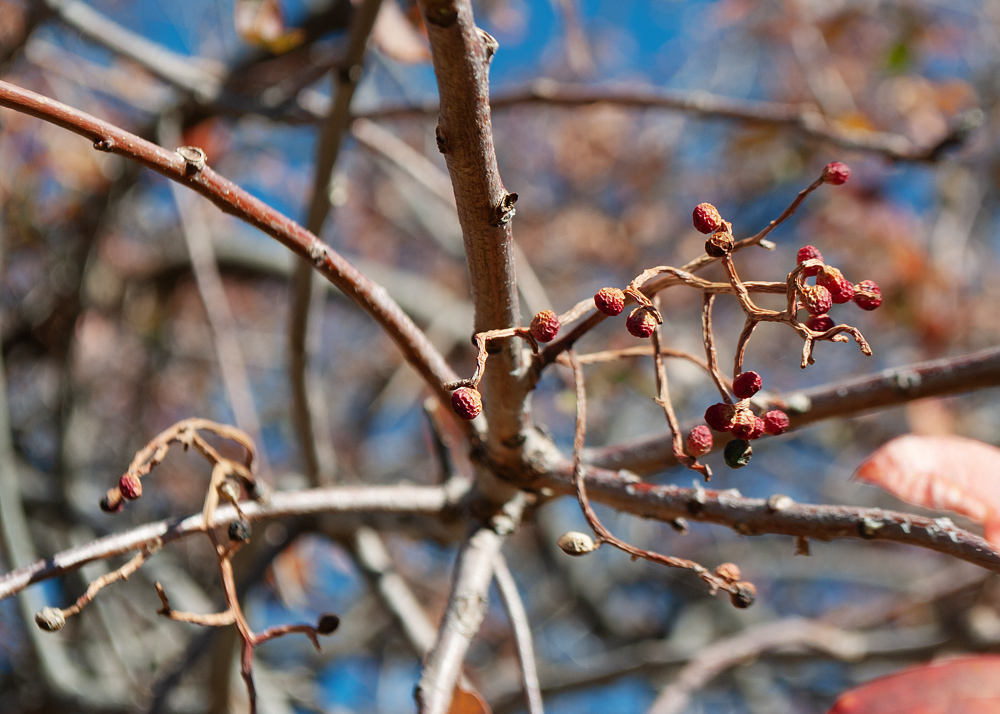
[708, 220]
[831, 288]
[641, 321]
[739, 420]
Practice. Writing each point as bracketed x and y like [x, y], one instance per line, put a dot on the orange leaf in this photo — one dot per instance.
[966, 685]
[465, 701]
[948, 473]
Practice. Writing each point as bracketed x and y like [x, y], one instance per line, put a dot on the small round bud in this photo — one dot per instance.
[746, 384]
[545, 326]
[699, 441]
[239, 530]
[867, 295]
[467, 402]
[809, 252]
[112, 501]
[719, 244]
[738, 453]
[50, 619]
[744, 423]
[816, 299]
[743, 595]
[775, 422]
[820, 323]
[130, 486]
[576, 543]
[610, 301]
[728, 571]
[720, 416]
[706, 218]
[836, 173]
[840, 288]
[641, 322]
[328, 623]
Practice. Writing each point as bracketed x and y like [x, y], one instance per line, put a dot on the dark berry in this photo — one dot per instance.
[820, 323]
[720, 416]
[743, 595]
[130, 486]
[112, 501]
[738, 453]
[840, 288]
[836, 173]
[327, 624]
[719, 244]
[775, 422]
[239, 530]
[746, 385]
[706, 218]
[467, 402]
[867, 295]
[610, 301]
[641, 322]
[545, 326]
[809, 252]
[816, 299]
[699, 441]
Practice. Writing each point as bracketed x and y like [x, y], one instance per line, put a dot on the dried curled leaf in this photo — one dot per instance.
[949, 473]
[970, 685]
[465, 701]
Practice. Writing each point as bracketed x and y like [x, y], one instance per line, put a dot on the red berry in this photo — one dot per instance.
[744, 424]
[545, 326]
[130, 486]
[836, 173]
[775, 422]
[699, 441]
[720, 416]
[758, 428]
[840, 288]
[746, 385]
[641, 322]
[467, 402]
[816, 299]
[819, 323]
[610, 301]
[867, 295]
[809, 252]
[706, 218]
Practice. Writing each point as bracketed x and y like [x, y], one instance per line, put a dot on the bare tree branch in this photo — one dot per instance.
[522, 633]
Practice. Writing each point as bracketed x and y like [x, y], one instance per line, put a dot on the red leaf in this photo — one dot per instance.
[948, 473]
[967, 685]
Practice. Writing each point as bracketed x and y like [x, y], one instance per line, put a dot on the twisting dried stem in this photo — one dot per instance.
[736, 590]
[711, 355]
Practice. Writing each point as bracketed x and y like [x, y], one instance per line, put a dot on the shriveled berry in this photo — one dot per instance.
[758, 429]
[130, 486]
[743, 594]
[743, 423]
[840, 288]
[239, 530]
[867, 295]
[719, 244]
[820, 323]
[809, 252]
[699, 441]
[836, 173]
[467, 402]
[112, 501]
[775, 422]
[728, 571]
[328, 623]
[738, 453]
[50, 619]
[706, 218]
[610, 301]
[576, 543]
[816, 299]
[746, 384]
[545, 326]
[720, 416]
[641, 322]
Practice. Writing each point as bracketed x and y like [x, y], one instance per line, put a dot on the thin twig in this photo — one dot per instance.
[519, 623]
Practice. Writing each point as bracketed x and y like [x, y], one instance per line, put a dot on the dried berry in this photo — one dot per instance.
[816, 299]
[809, 252]
[130, 486]
[641, 322]
[576, 543]
[836, 173]
[746, 385]
[239, 530]
[738, 453]
[840, 288]
[545, 326]
[719, 244]
[775, 422]
[820, 323]
[706, 218]
[743, 594]
[50, 619]
[758, 429]
[467, 402]
[699, 441]
[610, 301]
[720, 416]
[728, 571]
[744, 423]
[867, 295]
[112, 501]
[328, 623]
